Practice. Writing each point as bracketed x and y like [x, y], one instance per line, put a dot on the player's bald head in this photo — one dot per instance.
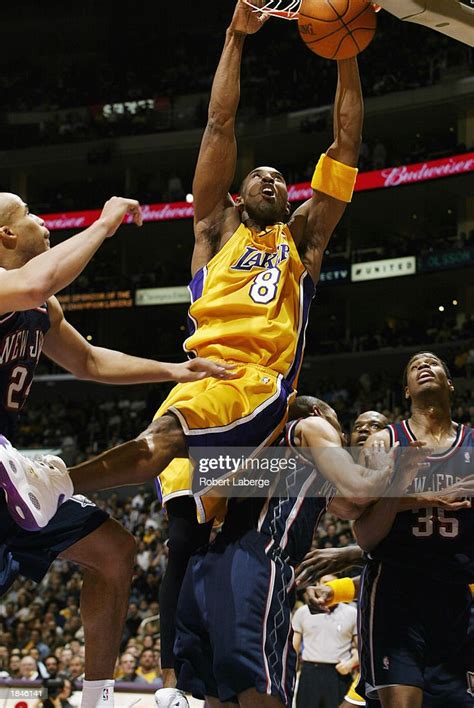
[367, 424]
[9, 205]
[304, 406]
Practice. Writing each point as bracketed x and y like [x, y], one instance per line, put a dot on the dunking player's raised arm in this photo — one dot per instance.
[313, 222]
[215, 215]
[24, 286]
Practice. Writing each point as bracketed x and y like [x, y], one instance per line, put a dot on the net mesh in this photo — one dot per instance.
[285, 9]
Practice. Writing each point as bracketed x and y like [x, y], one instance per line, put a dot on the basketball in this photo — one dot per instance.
[337, 29]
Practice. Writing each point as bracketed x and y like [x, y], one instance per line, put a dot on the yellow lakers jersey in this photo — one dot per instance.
[250, 303]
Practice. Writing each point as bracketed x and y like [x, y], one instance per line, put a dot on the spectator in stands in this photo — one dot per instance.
[143, 556]
[126, 669]
[76, 668]
[66, 694]
[14, 666]
[20, 630]
[28, 669]
[148, 640]
[36, 642]
[133, 620]
[133, 648]
[65, 659]
[9, 614]
[148, 669]
[52, 665]
[331, 535]
[344, 540]
[4, 657]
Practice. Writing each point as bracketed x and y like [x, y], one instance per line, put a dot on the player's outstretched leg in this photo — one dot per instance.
[35, 489]
[401, 697]
[107, 557]
[134, 462]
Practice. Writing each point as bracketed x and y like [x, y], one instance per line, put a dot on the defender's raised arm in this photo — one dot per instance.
[23, 286]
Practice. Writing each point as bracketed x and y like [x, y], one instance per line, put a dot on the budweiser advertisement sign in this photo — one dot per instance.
[421, 172]
[378, 179]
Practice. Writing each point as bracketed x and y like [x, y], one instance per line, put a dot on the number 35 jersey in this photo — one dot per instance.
[434, 541]
[21, 343]
[251, 302]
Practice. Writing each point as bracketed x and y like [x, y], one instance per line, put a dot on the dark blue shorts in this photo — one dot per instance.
[412, 634]
[234, 622]
[452, 683]
[30, 553]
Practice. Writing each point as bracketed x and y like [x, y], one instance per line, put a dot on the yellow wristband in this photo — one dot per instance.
[334, 178]
[471, 588]
[343, 589]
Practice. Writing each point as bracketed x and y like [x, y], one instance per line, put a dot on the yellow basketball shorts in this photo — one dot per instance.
[249, 410]
[352, 696]
[176, 480]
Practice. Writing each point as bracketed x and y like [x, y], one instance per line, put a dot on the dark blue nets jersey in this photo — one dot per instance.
[434, 541]
[290, 514]
[21, 343]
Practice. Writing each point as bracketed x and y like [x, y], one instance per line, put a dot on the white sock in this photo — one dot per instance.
[98, 694]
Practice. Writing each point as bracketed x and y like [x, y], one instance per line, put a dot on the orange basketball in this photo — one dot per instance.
[337, 29]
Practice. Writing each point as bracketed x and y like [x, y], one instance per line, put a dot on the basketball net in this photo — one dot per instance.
[285, 9]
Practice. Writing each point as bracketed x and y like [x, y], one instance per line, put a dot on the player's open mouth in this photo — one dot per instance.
[425, 376]
[268, 192]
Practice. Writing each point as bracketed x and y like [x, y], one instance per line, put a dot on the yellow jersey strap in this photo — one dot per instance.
[334, 178]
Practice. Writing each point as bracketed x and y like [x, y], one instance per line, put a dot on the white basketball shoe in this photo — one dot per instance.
[170, 698]
[34, 489]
